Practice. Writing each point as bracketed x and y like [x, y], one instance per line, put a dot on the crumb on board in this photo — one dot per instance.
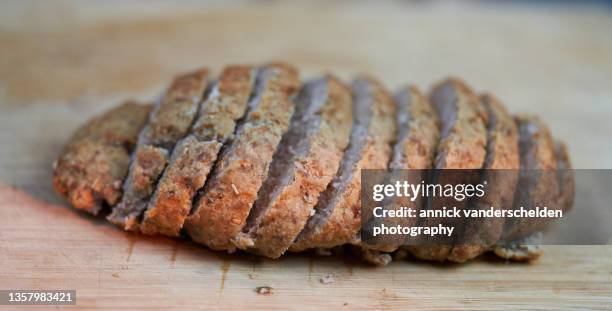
[252, 275]
[263, 290]
[115, 275]
[327, 279]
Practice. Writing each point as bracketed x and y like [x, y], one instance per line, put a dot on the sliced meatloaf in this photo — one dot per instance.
[463, 140]
[526, 249]
[194, 156]
[418, 131]
[251, 163]
[221, 210]
[500, 172]
[337, 216]
[170, 120]
[94, 163]
[538, 182]
[305, 162]
[413, 152]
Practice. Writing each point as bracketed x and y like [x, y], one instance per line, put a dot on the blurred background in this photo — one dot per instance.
[63, 61]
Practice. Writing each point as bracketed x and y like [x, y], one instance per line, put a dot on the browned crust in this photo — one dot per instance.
[178, 109]
[502, 154]
[226, 105]
[502, 148]
[465, 146]
[287, 213]
[169, 122]
[462, 144]
[92, 166]
[343, 224]
[224, 205]
[195, 155]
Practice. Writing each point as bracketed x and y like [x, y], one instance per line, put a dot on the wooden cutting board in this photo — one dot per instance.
[62, 62]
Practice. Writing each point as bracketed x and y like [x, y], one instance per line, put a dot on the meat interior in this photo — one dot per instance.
[444, 99]
[294, 145]
[403, 101]
[362, 117]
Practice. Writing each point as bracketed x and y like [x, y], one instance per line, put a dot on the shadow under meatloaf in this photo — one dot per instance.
[413, 152]
[92, 166]
[337, 217]
[526, 249]
[170, 120]
[221, 209]
[500, 171]
[306, 160]
[194, 156]
[462, 145]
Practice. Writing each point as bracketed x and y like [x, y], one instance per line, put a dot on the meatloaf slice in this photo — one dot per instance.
[93, 164]
[414, 150]
[538, 182]
[462, 145]
[170, 120]
[500, 171]
[221, 209]
[337, 217]
[194, 156]
[526, 249]
[307, 158]
[418, 131]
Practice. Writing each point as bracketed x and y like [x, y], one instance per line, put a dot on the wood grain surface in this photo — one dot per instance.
[63, 61]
